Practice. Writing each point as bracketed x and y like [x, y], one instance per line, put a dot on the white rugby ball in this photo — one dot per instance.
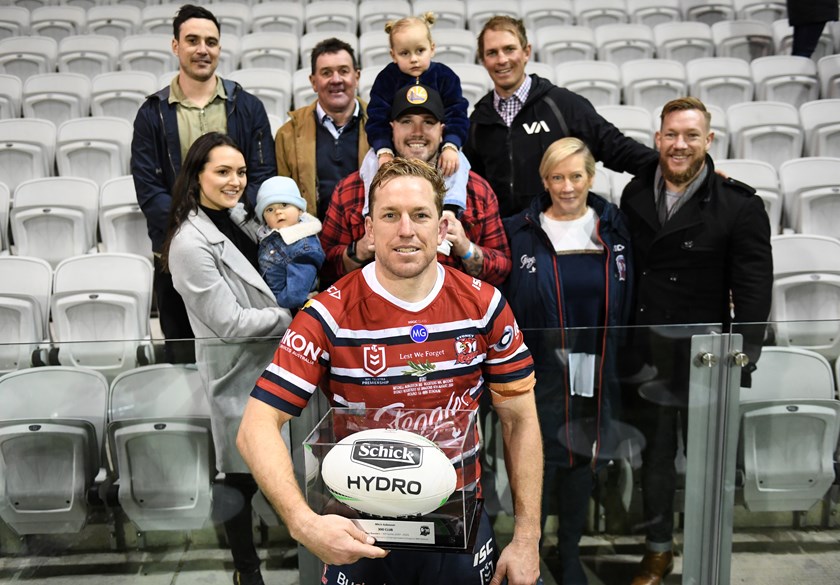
[389, 472]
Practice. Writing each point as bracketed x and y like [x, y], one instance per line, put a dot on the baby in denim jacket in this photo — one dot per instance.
[290, 253]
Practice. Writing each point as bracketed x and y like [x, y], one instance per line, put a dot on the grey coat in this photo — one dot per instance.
[225, 298]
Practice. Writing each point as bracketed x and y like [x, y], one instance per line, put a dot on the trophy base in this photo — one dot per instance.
[440, 531]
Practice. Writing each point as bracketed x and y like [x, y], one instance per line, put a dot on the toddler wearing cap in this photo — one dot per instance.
[290, 253]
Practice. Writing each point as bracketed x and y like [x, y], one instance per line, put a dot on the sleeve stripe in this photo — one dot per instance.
[288, 377]
[277, 402]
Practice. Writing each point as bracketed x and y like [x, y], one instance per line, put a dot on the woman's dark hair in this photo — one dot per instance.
[186, 190]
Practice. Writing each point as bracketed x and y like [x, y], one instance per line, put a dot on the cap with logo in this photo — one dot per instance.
[416, 98]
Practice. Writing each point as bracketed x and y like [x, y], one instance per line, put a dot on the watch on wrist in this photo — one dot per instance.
[351, 253]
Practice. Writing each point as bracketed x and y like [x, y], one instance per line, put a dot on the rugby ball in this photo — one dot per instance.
[389, 472]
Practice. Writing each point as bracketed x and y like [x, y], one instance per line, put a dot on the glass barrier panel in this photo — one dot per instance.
[103, 461]
[785, 521]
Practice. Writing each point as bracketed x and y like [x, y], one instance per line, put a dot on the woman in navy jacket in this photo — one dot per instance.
[571, 270]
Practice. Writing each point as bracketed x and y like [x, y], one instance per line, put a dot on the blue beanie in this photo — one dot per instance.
[278, 190]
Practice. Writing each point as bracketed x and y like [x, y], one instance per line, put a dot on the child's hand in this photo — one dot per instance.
[448, 161]
[385, 157]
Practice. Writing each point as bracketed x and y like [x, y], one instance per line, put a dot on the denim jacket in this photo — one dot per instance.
[290, 258]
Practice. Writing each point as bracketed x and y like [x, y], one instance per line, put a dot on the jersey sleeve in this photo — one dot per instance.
[509, 368]
[298, 366]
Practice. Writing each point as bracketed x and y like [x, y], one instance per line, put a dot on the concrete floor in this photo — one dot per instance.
[776, 557]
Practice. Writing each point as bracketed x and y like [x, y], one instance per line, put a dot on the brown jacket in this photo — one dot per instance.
[294, 146]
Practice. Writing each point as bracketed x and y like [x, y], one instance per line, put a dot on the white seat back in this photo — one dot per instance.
[559, 44]
[27, 150]
[120, 94]
[28, 55]
[624, 42]
[790, 421]
[88, 54]
[812, 194]
[269, 50]
[331, 16]
[744, 39]
[101, 304]
[112, 20]
[24, 309]
[683, 41]
[148, 52]
[96, 148]
[57, 22]
[374, 49]
[55, 218]
[51, 437]
[597, 81]
[271, 85]
[653, 12]
[373, 14]
[56, 97]
[634, 121]
[767, 131]
[821, 122]
[277, 17]
[451, 13]
[785, 78]
[121, 222]
[650, 83]
[161, 447]
[722, 81]
[762, 177]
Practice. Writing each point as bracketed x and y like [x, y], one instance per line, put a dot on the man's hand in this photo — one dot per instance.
[456, 235]
[448, 162]
[519, 562]
[384, 157]
[336, 540]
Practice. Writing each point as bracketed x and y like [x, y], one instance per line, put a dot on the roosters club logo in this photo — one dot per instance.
[466, 349]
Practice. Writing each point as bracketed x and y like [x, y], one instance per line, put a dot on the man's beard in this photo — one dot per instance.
[685, 176]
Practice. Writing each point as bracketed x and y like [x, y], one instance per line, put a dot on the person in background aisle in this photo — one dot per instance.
[478, 245]
[513, 125]
[412, 49]
[378, 307]
[323, 142]
[808, 18]
[197, 101]
[290, 252]
[211, 254]
[570, 285]
[702, 254]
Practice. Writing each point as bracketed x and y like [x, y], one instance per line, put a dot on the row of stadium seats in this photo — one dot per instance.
[239, 18]
[98, 147]
[718, 81]
[92, 53]
[69, 440]
[67, 315]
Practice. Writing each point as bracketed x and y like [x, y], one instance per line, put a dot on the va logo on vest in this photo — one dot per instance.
[536, 127]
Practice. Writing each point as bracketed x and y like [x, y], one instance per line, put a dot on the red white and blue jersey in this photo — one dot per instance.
[367, 349]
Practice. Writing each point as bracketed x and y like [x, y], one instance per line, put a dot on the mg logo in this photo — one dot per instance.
[536, 127]
[386, 455]
[374, 359]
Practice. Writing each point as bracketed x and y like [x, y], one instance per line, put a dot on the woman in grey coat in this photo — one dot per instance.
[211, 251]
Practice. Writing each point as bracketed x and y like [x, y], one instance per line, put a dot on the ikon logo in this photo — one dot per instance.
[536, 127]
[385, 455]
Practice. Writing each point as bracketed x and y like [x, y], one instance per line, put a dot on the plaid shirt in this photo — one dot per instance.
[508, 108]
[344, 223]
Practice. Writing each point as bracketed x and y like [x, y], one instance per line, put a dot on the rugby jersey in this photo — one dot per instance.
[366, 348]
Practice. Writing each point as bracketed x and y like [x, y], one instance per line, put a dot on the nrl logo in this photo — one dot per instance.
[386, 455]
[374, 359]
